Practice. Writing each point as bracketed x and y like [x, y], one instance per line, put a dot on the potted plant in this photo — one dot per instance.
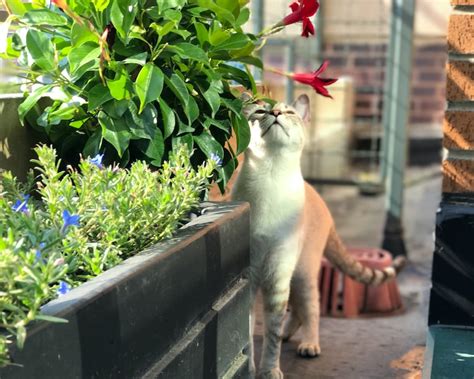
[172, 300]
[128, 81]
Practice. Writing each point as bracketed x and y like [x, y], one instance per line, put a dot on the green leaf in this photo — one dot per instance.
[119, 87]
[51, 318]
[235, 42]
[116, 132]
[178, 87]
[168, 4]
[209, 145]
[168, 118]
[116, 109]
[202, 33]
[81, 34]
[100, 5]
[226, 171]
[222, 14]
[20, 336]
[149, 84]
[186, 139]
[98, 95]
[139, 59]
[41, 49]
[142, 125]
[242, 132]
[213, 98]
[16, 7]
[153, 148]
[122, 14]
[254, 61]
[44, 17]
[31, 101]
[192, 110]
[190, 51]
[82, 55]
[92, 146]
[243, 17]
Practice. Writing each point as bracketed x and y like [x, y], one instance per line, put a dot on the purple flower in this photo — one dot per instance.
[63, 288]
[21, 205]
[216, 159]
[69, 220]
[97, 160]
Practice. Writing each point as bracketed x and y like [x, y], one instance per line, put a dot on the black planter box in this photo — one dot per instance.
[177, 310]
[452, 296]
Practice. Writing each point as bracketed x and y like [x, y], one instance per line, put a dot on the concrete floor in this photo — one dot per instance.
[376, 347]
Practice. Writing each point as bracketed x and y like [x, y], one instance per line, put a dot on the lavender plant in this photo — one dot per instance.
[83, 222]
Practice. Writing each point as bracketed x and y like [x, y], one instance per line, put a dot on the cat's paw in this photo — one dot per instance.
[308, 350]
[274, 373]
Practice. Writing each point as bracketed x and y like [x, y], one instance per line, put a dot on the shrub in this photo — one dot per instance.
[133, 79]
[83, 223]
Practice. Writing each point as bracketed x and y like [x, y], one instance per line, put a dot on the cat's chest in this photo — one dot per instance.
[276, 202]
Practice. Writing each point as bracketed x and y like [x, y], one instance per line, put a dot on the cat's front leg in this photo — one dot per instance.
[275, 304]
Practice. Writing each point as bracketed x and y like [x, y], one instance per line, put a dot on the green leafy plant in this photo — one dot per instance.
[133, 79]
[82, 223]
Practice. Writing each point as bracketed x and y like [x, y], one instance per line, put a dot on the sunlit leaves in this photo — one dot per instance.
[149, 84]
[153, 75]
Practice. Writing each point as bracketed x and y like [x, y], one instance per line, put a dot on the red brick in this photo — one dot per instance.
[458, 128]
[460, 85]
[458, 176]
[462, 2]
[461, 33]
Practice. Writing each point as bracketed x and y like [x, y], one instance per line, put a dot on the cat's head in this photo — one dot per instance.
[278, 127]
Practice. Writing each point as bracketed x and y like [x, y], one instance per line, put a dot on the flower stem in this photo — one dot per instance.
[278, 71]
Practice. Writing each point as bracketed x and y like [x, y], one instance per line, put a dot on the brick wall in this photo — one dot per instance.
[458, 125]
[452, 301]
[366, 64]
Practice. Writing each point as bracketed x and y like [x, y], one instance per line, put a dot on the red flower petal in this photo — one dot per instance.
[294, 6]
[302, 11]
[308, 27]
[313, 79]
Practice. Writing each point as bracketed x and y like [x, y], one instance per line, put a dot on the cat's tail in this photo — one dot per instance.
[337, 254]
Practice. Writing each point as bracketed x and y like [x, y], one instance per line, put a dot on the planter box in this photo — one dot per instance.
[177, 310]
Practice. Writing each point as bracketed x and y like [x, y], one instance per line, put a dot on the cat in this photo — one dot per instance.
[291, 230]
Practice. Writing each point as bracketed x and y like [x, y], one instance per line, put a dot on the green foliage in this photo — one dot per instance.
[133, 78]
[112, 213]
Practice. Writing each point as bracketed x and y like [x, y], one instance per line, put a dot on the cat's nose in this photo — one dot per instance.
[276, 112]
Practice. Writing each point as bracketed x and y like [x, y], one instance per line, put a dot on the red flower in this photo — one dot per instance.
[313, 79]
[302, 11]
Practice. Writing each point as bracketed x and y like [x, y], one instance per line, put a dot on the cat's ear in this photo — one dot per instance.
[301, 106]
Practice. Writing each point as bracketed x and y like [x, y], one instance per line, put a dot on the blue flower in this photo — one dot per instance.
[216, 159]
[63, 288]
[38, 254]
[97, 160]
[69, 220]
[21, 205]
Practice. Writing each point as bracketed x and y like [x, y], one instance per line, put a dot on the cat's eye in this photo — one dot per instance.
[290, 112]
[260, 111]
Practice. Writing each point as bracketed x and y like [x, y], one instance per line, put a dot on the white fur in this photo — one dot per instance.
[271, 181]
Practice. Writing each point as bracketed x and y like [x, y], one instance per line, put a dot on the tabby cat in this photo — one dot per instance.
[291, 229]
